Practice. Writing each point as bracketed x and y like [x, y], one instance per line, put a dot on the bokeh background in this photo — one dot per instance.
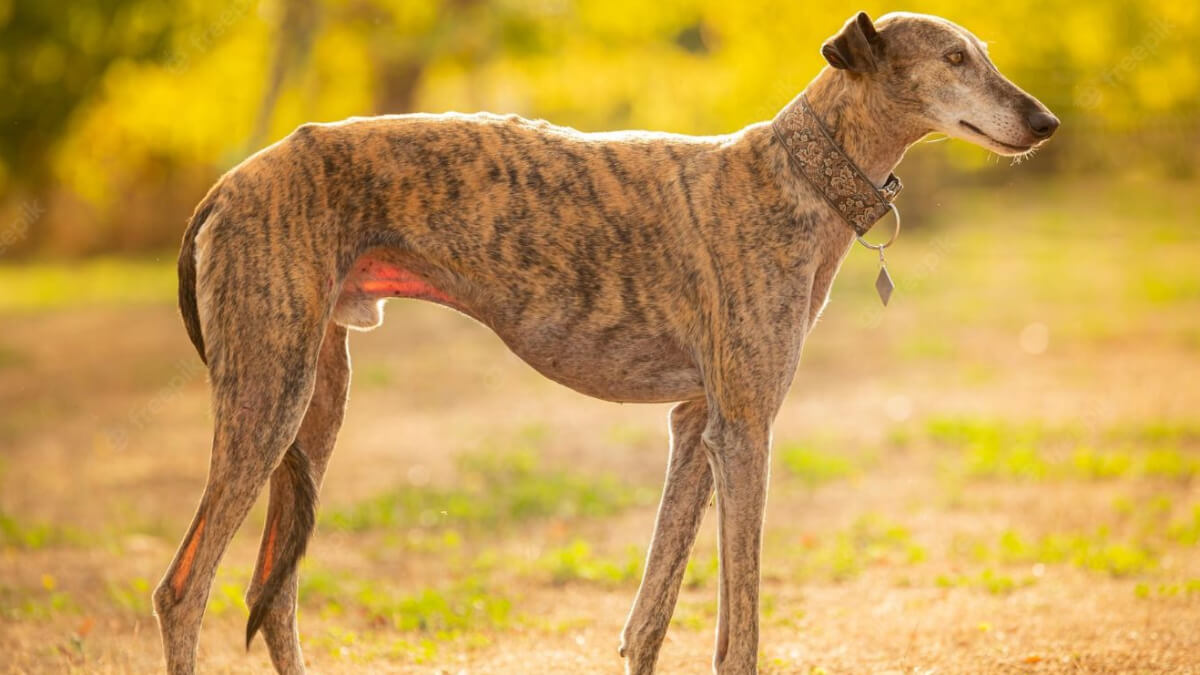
[997, 473]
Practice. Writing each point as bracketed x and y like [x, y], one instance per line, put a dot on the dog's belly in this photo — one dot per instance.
[630, 369]
[632, 364]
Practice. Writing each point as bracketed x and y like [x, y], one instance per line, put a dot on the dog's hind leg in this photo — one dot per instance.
[292, 508]
[262, 335]
[688, 489]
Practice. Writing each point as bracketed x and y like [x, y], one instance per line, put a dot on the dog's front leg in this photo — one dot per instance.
[738, 453]
[687, 491]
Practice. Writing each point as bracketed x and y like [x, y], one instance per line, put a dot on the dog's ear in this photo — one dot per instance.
[856, 48]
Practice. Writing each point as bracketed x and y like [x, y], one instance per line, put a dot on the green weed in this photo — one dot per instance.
[967, 431]
[465, 605]
[694, 615]
[494, 489]
[699, 573]
[988, 460]
[1187, 531]
[988, 580]
[815, 467]
[1094, 552]
[225, 597]
[998, 450]
[33, 536]
[133, 596]
[446, 613]
[1089, 463]
[870, 540]
[1189, 589]
[1167, 462]
[576, 562]
[422, 541]
[41, 604]
[368, 650]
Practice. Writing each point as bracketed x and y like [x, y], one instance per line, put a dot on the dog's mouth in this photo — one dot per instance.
[1016, 149]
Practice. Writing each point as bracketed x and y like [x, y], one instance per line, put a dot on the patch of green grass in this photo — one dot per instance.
[1161, 431]
[995, 460]
[1187, 531]
[991, 448]
[814, 467]
[1087, 462]
[967, 431]
[102, 281]
[965, 547]
[1095, 551]
[1169, 462]
[1189, 589]
[226, 596]
[468, 604]
[132, 596]
[36, 604]
[32, 536]
[440, 542]
[370, 649]
[700, 573]
[446, 613]
[694, 615]
[988, 580]
[870, 540]
[493, 489]
[576, 562]
[999, 450]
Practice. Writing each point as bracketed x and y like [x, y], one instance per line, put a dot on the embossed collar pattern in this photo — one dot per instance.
[818, 158]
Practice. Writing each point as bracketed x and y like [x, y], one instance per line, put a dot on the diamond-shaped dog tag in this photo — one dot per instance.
[884, 285]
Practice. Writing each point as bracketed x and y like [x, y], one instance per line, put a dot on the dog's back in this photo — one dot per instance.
[545, 234]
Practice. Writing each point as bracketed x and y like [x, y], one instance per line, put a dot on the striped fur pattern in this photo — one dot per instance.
[629, 266]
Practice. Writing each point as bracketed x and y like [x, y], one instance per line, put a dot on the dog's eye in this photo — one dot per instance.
[955, 58]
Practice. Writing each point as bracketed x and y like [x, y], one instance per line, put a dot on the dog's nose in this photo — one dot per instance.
[1042, 123]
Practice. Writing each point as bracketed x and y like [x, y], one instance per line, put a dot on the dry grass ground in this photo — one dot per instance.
[997, 474]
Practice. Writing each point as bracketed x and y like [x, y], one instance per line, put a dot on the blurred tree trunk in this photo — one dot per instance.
[401, 67]
[298, 21]
[398, 82]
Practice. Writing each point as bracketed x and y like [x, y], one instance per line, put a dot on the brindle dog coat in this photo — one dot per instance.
[628, 266]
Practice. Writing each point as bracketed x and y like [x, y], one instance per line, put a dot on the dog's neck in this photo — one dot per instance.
[862, 122]
[869, 131]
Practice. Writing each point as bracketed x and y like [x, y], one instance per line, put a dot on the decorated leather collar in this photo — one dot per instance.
[822, 162]
[818, 158]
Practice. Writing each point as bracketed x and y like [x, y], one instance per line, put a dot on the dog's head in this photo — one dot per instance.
[939, 74]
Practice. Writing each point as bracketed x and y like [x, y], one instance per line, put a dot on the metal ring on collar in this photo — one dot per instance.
[889, 242]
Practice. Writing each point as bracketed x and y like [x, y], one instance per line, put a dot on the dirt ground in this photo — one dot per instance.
[997, 474]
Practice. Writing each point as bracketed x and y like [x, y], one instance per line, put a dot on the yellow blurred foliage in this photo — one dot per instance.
[689, 66]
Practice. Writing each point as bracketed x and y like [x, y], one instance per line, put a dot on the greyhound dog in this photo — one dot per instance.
[630, 266]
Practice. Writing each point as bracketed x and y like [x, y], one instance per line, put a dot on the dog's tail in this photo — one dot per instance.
[187, 272]
[295, 470]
